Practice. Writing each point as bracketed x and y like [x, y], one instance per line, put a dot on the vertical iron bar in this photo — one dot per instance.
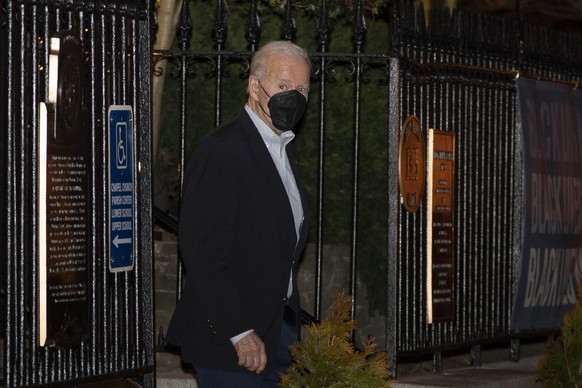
[10, 198]
[109, 92]
[123, 296]
[437, 363]
[487, 199]
[21, 199]
[116, 98]
[476, 355]
[184, 36]
[145, 321]
[134, 297]
[393, 267]
[457, 105]
[33, 106]
[44, 35]
[466, 200]
[82, 356]
[323, 35]
[99, 322]
[497, 223]
[481, 214]
[219, 39]
[359, 36]
[514, 350]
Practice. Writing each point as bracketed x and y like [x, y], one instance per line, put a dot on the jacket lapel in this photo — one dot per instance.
[268, 169]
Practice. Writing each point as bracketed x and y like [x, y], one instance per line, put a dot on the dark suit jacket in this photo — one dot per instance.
[238, 244]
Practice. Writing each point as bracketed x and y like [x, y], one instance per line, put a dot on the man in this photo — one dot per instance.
[242, 230]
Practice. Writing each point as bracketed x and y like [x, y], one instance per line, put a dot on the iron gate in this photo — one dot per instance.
[104, 49]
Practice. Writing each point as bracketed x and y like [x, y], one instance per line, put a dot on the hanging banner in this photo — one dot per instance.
[551, 264]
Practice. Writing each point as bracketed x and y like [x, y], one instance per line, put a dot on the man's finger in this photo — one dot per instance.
[251, 353]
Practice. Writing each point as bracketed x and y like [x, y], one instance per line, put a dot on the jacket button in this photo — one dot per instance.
[285, 299]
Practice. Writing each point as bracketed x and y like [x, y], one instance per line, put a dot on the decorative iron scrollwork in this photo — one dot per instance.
[177, 64]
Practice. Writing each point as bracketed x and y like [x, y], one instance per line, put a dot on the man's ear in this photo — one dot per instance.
[254, 87]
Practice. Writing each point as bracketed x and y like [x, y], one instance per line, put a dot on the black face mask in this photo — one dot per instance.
[286, 108]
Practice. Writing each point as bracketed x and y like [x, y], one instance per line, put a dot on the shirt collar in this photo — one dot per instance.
[269, 136]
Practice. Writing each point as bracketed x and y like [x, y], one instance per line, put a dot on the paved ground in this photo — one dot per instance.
[496, 371]
[505, 374]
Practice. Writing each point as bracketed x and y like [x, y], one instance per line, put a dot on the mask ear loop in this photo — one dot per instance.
[263, 109]
[261, 85]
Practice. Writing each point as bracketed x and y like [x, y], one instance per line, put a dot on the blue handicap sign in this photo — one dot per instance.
[121, 188]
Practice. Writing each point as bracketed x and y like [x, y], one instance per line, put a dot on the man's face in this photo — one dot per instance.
[283, 73]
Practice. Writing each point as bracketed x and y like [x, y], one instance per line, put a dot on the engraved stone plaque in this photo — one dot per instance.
[440, 237]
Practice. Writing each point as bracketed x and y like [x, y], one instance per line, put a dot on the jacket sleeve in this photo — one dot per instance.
[206, 232]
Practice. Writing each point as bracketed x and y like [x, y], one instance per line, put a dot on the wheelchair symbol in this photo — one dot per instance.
[121, 144]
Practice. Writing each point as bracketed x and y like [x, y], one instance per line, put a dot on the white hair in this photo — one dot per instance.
[262, 55]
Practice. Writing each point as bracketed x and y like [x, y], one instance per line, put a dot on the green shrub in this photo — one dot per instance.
[328, 358]
[561, 364]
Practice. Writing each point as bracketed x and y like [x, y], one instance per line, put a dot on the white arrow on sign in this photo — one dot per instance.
[117, 241]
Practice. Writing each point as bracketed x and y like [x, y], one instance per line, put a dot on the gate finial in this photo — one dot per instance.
[324, 26]
[219, 27]
[520, 32]
[359, 26]
[289, 29]
[253, 27]
[185, 26]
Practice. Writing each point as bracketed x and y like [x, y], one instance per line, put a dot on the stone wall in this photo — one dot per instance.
[165, 272]
[335, 277]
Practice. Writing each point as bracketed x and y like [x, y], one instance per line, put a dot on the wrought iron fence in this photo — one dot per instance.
[115, 55]
[459, 75]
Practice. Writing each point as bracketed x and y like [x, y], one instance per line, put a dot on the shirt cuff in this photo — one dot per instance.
[237, 338]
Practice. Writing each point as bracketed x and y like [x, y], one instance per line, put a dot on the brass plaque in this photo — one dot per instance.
[440, 237]
[411, 164]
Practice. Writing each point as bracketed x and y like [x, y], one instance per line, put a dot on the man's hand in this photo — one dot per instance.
[251, 353]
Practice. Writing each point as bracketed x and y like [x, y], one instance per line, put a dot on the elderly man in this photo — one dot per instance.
[242, 230]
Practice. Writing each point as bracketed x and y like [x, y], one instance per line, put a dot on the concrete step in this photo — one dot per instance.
[170, 373]
[170, 380]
